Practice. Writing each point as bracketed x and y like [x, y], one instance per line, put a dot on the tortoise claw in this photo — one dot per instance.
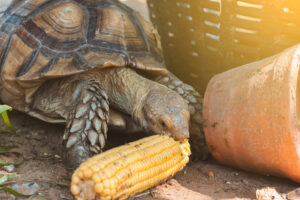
[76, 155]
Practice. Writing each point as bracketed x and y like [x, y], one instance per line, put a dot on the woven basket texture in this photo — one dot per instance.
[201, 38]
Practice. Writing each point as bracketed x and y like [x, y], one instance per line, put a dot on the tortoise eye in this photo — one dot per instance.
[163, 124]
[166, 123]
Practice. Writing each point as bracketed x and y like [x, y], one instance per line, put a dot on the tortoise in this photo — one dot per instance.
[80, 61]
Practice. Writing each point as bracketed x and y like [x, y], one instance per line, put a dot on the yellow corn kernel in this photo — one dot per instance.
[129, 169]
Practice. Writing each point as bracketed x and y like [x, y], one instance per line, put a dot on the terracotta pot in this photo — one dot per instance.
[252, 117]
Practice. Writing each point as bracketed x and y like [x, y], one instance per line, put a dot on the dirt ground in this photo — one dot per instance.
[40, 160]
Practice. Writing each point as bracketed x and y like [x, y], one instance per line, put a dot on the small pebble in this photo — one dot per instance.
[62, 196]
[211, 174]
[245, 181]
[9, 168]
[227, 182]
[236, 174]
[57, 156]
[26, 188]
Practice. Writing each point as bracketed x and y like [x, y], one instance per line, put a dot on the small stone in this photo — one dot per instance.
[245, 181]
[268, 193]
[27, 188]
[227, 182]
[57, 156]
[9, 168]
[236, 173]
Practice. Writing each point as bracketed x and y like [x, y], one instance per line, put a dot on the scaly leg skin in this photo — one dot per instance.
[84, 105]
[86, 129]
[195, 102]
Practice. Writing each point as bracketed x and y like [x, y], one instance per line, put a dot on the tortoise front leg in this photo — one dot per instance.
[195, 101]
[84, 106]
[86, 129]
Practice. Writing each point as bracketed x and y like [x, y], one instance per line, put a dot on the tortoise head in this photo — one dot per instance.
[165, 112]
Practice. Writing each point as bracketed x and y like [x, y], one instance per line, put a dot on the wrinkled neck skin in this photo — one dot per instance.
[126, 90]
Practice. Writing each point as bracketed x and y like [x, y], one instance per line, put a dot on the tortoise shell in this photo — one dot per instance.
[45, 39]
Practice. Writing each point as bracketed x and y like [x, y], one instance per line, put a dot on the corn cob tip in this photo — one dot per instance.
[129, 169]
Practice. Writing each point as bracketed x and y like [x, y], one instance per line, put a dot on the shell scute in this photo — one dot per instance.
[115, 26]
[60, 27]
[64, 21]
[16, 58]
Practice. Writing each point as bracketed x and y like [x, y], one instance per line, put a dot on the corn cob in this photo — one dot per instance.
[129, 169]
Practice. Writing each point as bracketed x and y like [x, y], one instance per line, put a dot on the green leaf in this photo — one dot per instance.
[14, 192]
[7, 121]
[4, 108]
[4, 149]
[5, 178]
[3, 163]
[9, 132]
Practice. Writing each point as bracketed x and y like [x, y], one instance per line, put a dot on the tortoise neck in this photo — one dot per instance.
[126, 90]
